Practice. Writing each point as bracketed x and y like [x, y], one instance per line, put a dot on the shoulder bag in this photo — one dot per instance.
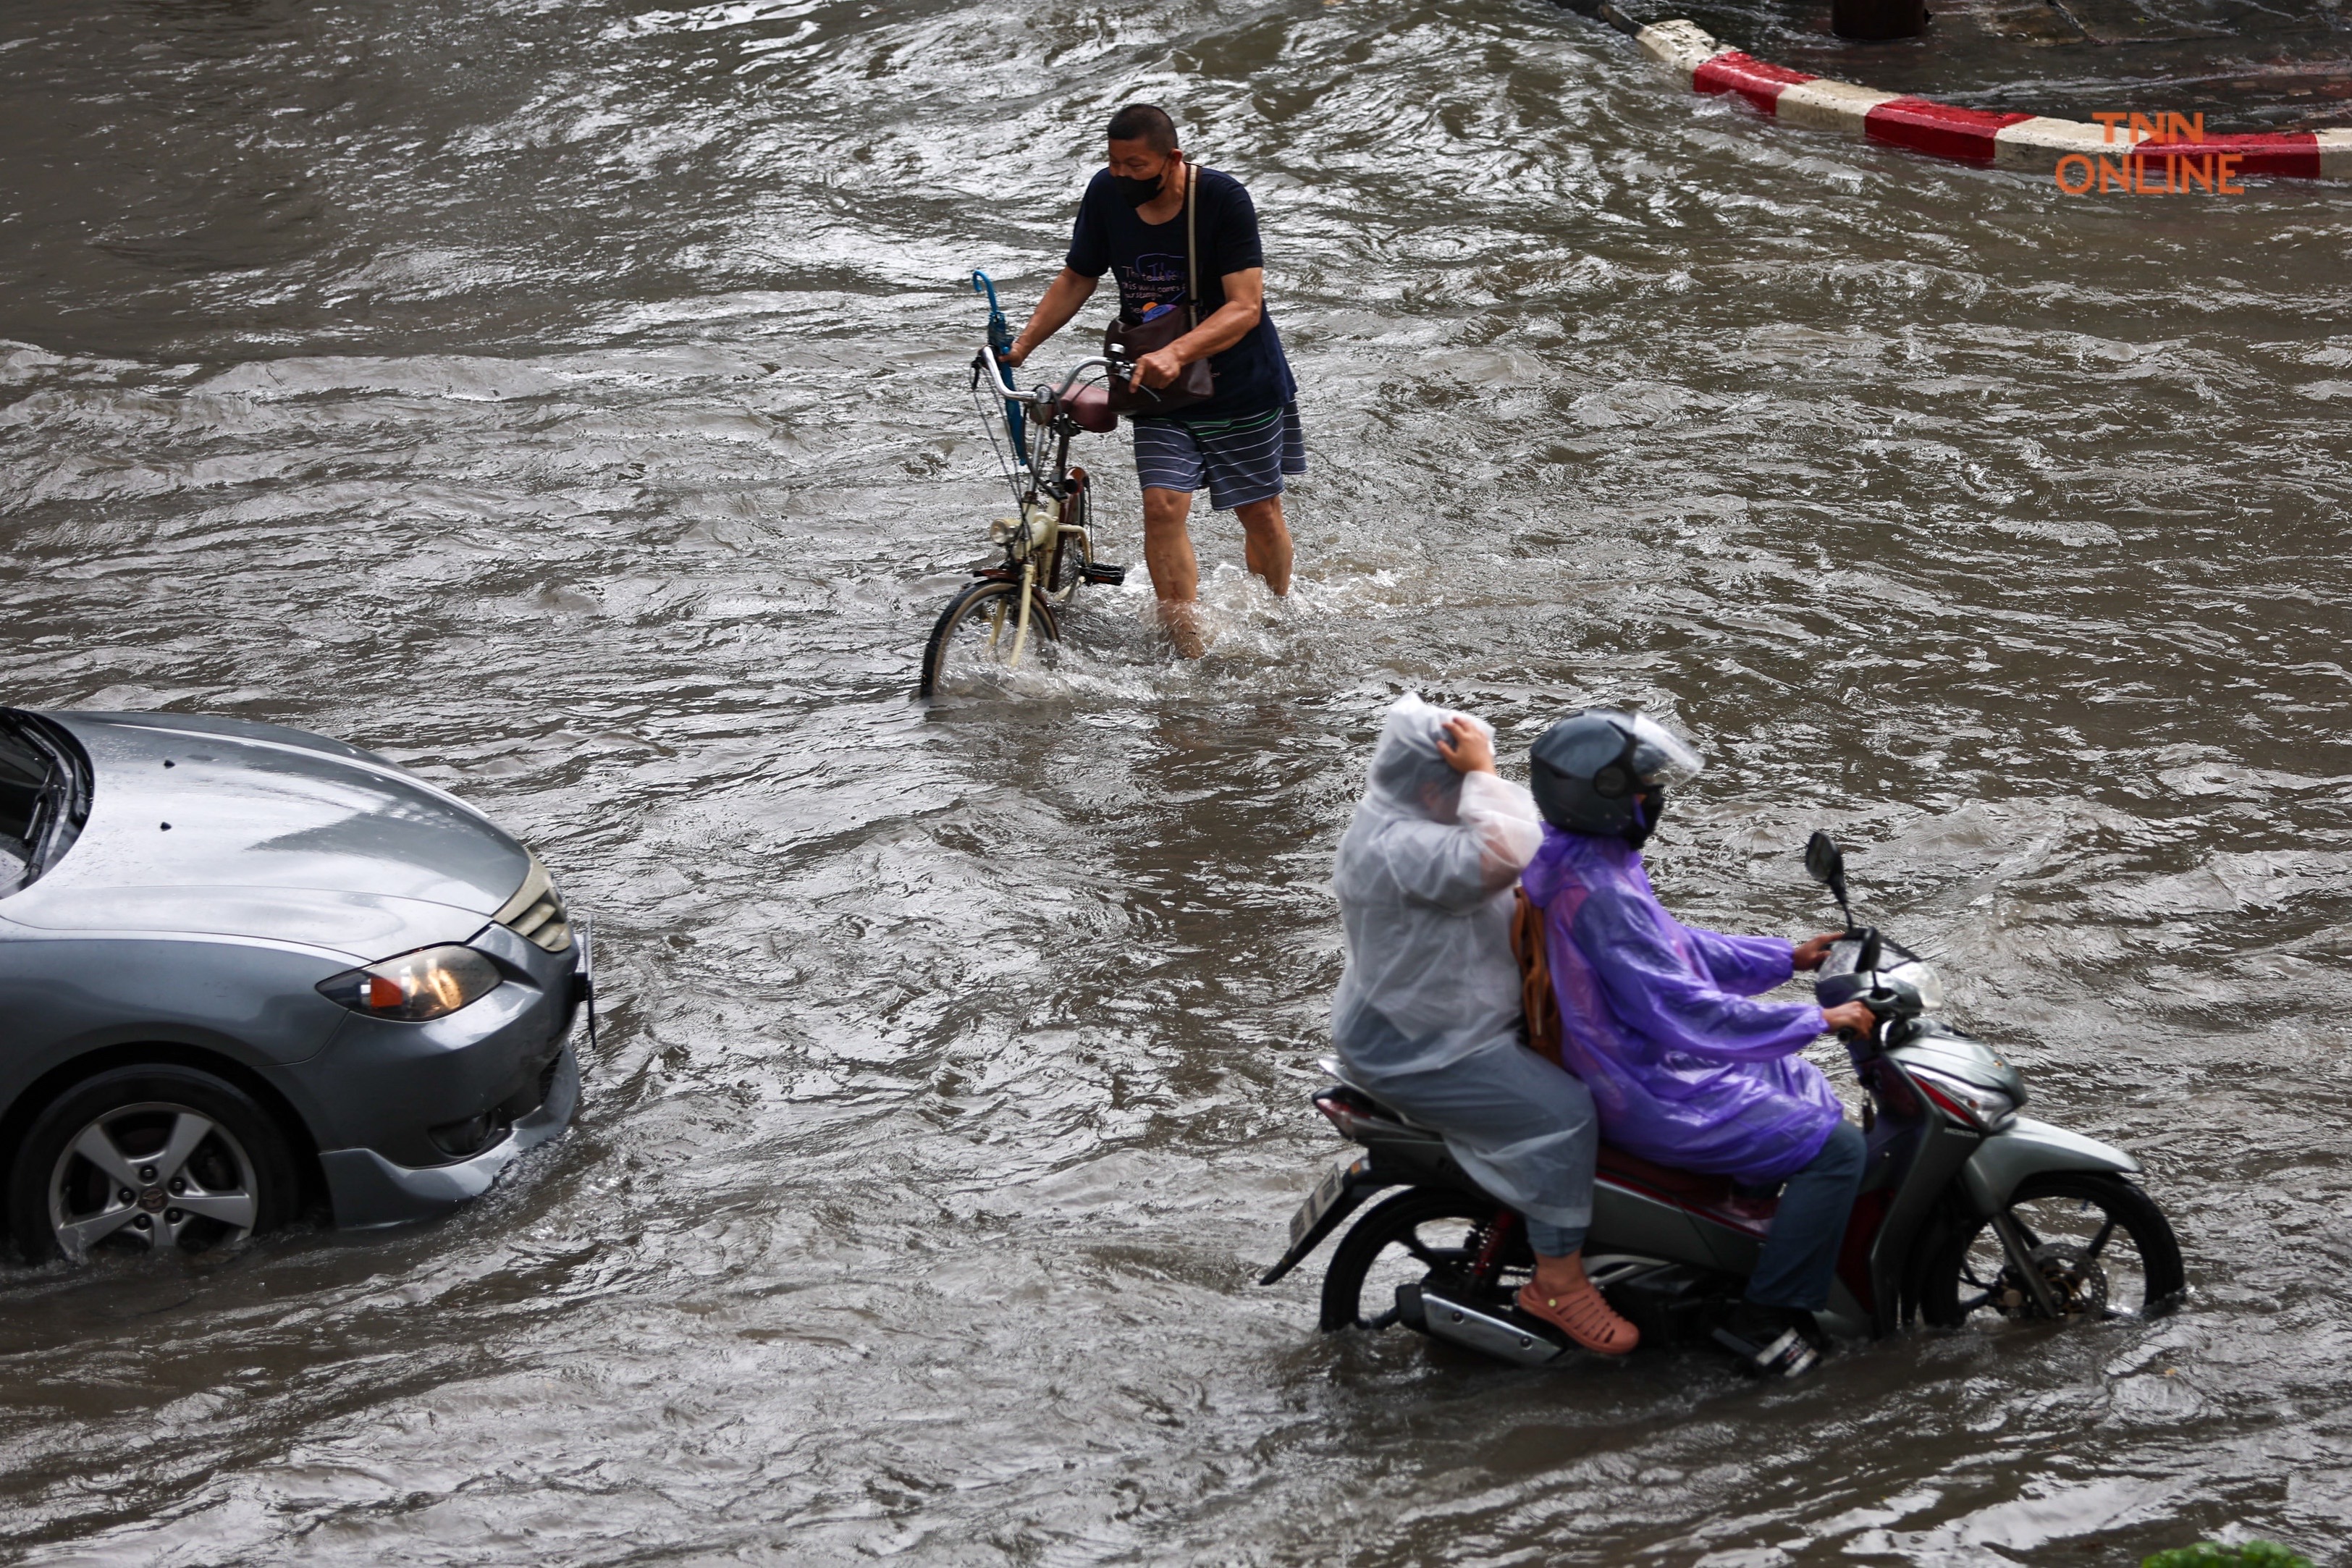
[1544, 1031]
[1125, 342]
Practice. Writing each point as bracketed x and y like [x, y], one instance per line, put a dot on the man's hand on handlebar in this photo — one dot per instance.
[1849, 1018]
[1018, 351]
[1157, 368]
[1811, 952]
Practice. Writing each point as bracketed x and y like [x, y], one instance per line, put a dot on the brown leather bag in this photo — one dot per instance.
[1126, 342]
[1534, 977]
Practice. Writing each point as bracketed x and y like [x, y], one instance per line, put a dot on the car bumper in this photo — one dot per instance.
[367, 1189]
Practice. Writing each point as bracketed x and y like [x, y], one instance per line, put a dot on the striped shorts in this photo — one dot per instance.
[1242, 460]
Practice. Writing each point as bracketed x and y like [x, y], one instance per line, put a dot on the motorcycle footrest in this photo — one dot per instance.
[1108, 576]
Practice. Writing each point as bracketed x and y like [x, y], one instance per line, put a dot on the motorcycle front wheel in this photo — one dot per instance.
[2102, 1245]
[1404, 1239]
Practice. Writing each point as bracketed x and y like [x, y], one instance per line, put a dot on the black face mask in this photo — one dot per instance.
[1139, 193]
[1648, 807]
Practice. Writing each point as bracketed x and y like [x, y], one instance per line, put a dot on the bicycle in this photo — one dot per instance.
[1048, 548]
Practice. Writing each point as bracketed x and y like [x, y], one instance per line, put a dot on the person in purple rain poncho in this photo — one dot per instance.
[1686, 1066]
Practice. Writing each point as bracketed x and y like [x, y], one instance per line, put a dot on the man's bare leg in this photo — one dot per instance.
[1175, 570]
[1266, 541]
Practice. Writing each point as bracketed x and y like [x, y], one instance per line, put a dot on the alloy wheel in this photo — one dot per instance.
[149, 1176]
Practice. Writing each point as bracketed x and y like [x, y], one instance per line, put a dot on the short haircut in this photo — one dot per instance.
[1145, 122]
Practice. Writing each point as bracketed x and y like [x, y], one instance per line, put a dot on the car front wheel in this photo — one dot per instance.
[146, 1158]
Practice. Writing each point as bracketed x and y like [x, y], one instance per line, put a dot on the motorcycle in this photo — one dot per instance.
[1966, 1205]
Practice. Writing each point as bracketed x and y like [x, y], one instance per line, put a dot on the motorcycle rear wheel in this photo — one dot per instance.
[2071, 1223]
[1401, 1239]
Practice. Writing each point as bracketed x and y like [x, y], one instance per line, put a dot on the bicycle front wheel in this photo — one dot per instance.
[973, 642]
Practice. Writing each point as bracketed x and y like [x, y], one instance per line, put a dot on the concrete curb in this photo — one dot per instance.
[1975, 136]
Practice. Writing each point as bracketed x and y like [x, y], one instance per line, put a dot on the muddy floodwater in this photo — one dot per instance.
[568, 401]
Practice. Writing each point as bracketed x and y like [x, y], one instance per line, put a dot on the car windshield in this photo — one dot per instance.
[40, 803]
[24, 776]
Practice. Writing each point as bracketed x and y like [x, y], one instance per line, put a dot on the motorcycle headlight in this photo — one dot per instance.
[416, 988]
[1987, 1108]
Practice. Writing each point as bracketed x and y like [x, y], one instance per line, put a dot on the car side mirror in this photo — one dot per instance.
[1825, 862]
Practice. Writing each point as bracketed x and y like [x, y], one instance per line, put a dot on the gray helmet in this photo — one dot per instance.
[1591, 771]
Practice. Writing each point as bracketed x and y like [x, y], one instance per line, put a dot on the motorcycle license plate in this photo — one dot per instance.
[1319, 1203]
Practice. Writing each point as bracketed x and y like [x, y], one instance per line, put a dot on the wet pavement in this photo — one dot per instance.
[569, 403]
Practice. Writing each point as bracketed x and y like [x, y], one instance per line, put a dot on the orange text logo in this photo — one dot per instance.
[2145, 169]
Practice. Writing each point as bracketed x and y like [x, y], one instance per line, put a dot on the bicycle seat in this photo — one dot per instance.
[1088, 408]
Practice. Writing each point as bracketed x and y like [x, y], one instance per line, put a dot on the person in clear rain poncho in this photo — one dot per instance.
[1665, 1024]
[1429, 1012]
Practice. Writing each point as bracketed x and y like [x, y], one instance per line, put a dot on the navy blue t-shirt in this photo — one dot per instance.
[1252, 377]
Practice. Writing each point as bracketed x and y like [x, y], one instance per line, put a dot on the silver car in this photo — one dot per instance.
[249, 973]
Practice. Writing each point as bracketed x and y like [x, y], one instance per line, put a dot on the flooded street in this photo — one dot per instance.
[569, 402]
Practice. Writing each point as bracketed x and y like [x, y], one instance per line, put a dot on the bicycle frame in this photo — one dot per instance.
[1037, 532]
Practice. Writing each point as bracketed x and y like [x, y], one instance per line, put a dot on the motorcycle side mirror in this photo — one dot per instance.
[1825, 863]
[1866, 960]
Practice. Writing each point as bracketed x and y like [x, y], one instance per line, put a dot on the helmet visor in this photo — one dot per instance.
[1662, 757]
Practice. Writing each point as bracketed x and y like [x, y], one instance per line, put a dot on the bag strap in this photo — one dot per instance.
[1535, 996]
[1191, 245]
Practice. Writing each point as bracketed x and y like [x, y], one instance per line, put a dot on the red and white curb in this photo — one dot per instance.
[1971, 135]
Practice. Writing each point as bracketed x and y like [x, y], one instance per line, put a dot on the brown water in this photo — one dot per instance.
[568, 402]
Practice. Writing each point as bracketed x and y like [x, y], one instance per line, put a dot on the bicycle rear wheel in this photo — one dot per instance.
[972, 641]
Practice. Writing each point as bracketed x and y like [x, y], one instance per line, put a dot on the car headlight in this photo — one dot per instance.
[1987, 1108]
[431, 983]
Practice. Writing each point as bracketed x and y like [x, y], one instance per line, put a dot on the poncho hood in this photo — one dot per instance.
[1423, 877]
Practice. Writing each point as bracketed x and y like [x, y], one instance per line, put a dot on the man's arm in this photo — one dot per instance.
[1064, 297]
[1229, 324]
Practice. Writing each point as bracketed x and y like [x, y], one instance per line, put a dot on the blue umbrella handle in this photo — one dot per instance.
[1000, 344]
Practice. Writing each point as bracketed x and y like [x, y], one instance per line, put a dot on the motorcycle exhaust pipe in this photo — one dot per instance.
[1441, 1317]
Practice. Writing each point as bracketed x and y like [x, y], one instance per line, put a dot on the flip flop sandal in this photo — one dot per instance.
[1584, 1315]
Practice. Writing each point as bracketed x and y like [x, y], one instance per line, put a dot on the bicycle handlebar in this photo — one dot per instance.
[1040, 396]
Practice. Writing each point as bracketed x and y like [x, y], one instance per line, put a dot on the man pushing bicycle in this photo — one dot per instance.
[1184, 239]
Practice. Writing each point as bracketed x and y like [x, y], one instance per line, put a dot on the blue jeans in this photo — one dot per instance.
[1800, 1253]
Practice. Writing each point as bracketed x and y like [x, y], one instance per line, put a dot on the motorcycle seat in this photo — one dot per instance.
[1374, 1102]
[1386, 1112]
[1088, 408]
[1694, 1187]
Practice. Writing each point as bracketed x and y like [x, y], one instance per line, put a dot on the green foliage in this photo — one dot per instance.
[2209, 1554]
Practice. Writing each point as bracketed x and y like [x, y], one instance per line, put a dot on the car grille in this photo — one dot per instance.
[536, 912]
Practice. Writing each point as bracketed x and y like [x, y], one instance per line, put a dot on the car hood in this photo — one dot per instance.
[225, 827]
